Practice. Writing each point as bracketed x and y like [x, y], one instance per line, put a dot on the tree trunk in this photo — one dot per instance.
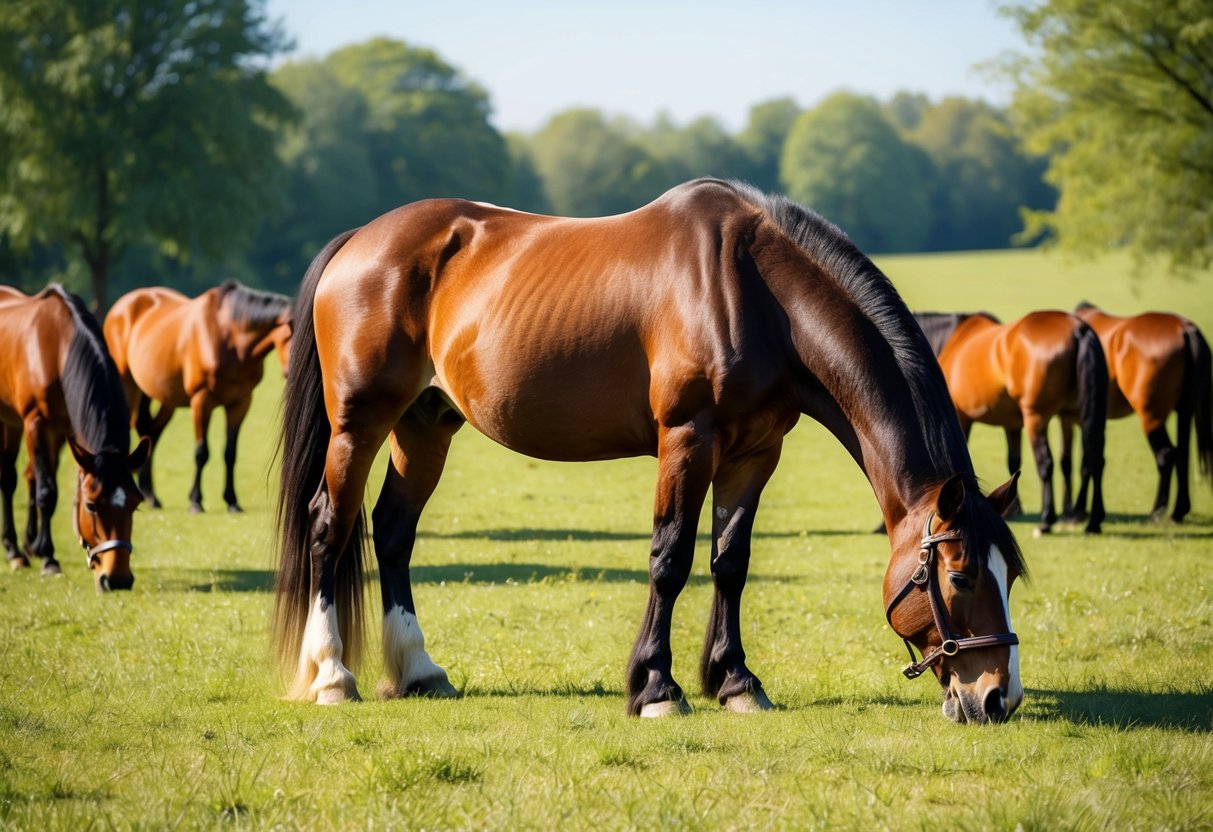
[99, 270]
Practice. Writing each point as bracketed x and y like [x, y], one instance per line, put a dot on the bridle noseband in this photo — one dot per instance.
[924, 577]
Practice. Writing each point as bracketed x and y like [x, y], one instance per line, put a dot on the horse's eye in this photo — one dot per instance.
[959, 581]
[90, 506]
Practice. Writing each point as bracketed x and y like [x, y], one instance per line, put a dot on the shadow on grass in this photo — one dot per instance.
[1194, 527]
[1184, 711]
[582, 535]
[262, 580]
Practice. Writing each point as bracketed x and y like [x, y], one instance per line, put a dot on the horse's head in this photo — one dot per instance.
[106, 498]
[947, 592]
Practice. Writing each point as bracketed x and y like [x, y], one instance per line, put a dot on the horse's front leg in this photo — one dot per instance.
[201, 407]
[735, 492]
[10, 445]
[234, 416]
[43, 451]
[419, 450]
[686, 459]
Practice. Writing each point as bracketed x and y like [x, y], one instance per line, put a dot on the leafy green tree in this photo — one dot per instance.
[525, 186]
[590, 168]
[981, 181]
[763, 138]
[700, 148]
[136, 123]
[426, 125]
[1120, 95]
[845, 160]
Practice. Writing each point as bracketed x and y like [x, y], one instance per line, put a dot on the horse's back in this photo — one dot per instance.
[34, 331]
[558, 337]
[144, 331]
[1147, 357]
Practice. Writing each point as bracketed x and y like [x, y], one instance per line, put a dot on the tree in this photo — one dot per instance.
[764, 136]
[701, 148]
[591, 169]
[1121, 97]
[125, 123]
[846, 161]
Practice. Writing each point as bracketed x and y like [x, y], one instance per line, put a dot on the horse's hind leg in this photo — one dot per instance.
[43, 451]
[1164, 460]
[234, 416]
[151, 427]
[1014, 463]
[685, 466]
[1069, 512]
[1183, 453]
[419, 447]
[10, 444]
[201, 408]
[1037, 426]
[735, 492]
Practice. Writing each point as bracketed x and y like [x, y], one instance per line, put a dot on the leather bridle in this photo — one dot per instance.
[925, 578]
[92, 554]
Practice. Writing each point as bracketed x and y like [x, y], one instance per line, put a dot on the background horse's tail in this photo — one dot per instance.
[1092, 368]
[1199, 384]
[302, 447]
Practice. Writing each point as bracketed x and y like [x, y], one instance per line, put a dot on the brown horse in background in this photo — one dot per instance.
[203, 353]
[1159, 364]
[57, 384]
[1020, 375]
[697, 329]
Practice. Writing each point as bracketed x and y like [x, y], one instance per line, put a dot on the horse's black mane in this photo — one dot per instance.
[939, 326]
[253, 307]
[96, 403]
[879, 300]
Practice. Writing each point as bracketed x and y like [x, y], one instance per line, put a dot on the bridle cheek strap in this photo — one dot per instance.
[924, 578]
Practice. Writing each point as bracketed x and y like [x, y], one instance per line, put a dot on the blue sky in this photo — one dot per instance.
[686, 58]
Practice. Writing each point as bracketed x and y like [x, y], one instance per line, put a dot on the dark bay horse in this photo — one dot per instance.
[697, 329]
[201, 353]
[1021, 375]
[1160, 364]
[57, 384]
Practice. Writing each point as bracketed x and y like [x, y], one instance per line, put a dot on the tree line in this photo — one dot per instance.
[156, 143]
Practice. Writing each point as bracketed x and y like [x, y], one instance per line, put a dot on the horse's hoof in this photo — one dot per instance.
[750, 702]
[152, 502]
[51, 568]
[1096, 529]
[437, 687]
[667, 708]
[18, 562]
[336, 696]
[234, 508]
[1041, 531]
[195, 508]
[1159, 515]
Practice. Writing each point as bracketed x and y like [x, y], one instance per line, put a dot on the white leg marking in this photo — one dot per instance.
[320, 659]
[405, 663]
[998, 568]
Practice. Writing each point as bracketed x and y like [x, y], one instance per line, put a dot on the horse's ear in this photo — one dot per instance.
[1003, 497]
[139, 456]
[83, 458]
[951, 496]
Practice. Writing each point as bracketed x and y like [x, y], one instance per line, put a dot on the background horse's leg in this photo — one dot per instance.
[1164, 460]
[419, 450]
[1014, 463]
[322, 675]
[201, 407]
[1183, 454]
[10, 445]
[685, 463]
[1066, 461]
[151, 427]
[1037, 426]
[43, 452]
[234, 416]
[735, 491]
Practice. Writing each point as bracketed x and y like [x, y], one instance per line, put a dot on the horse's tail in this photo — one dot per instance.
[1199, 383]
[302, 446]
[1092, 369]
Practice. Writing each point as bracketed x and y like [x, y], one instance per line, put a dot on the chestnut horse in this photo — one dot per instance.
[203, 353]
[57, 383]
[697, 329]
[1020, 375]
[1159, 364]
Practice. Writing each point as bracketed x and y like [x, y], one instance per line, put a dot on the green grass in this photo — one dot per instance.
[158, 708]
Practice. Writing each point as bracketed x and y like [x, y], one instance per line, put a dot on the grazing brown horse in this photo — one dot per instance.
[57, 383]
[1159, 364]
[203, 353]
[1020, 375]
[697, 329]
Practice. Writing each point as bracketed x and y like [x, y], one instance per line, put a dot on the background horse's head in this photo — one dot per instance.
[947, 592]
[282, 339]
[106, 499]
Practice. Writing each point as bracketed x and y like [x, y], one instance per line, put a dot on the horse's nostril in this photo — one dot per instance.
[103, 583]
[994, 705]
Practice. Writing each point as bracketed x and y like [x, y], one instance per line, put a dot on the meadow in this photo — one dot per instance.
[159, 708]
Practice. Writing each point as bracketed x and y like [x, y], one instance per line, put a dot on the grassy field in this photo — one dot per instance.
[158, 708]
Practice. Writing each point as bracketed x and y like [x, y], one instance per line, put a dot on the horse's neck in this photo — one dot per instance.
[854, 385]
